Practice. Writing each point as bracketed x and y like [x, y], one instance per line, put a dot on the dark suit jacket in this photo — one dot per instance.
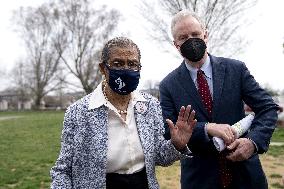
[232, 86]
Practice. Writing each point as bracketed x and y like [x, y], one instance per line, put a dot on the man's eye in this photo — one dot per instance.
[182, 37]
[195, 35]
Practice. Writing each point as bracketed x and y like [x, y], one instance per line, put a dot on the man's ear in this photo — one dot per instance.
[176, 45]
[206, 36]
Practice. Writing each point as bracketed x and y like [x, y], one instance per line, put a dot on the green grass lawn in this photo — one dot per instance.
[29, 146]
[30, 143]
[278, 135]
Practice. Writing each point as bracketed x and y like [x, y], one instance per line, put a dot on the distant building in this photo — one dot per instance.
[61, 101]
[11, 100]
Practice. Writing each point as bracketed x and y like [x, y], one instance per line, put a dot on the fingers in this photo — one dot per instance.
[181, 113]
[235, 156]
[227, 134]
[191, 121]
[242, 150]
[192, 125]
[235, 133]
[191, 116]
[187, 113]
[170, 124]
[233, 145]
[186, 118]
[230, 137]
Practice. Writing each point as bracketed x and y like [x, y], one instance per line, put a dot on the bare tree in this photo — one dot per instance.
[86, 29]
[42, 61]
[222, 18]
[20, 80]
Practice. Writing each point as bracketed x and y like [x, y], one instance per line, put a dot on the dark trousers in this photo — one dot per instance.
[127, 181]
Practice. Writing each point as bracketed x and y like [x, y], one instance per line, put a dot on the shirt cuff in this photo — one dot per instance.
[205, 133]
[185, 152]
[256, 148]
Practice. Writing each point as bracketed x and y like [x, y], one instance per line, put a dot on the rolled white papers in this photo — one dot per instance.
[240, 127]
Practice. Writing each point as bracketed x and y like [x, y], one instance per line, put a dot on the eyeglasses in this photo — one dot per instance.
[120, 65]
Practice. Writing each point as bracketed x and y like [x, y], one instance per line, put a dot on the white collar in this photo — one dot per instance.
[206, 68]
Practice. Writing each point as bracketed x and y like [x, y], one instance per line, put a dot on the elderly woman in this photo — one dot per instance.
[113, 137]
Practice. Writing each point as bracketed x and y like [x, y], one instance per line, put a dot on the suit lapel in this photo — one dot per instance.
[187, 83]
[218, 72]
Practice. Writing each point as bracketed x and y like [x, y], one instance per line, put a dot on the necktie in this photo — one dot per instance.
[225, 171]
[204, 92]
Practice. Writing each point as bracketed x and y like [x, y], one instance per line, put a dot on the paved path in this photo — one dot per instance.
[277, 143]
[9, 117]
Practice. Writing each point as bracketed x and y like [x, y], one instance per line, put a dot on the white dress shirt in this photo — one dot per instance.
[125, 153]
[207, 70]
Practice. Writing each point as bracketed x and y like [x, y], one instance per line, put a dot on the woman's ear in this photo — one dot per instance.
[102, 68]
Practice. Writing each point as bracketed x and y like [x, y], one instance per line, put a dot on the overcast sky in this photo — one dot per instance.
[263, 56]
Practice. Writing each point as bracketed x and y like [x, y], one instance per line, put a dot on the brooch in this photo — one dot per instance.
[140, 107]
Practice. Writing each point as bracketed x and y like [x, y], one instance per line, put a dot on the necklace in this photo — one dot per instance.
[119, 111]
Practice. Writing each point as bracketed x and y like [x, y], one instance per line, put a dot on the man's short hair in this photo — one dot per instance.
[183, 14]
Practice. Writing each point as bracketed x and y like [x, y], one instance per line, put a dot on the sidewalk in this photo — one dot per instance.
[277, 143]
[9, 117]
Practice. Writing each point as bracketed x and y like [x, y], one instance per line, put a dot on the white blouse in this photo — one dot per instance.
[125, 153]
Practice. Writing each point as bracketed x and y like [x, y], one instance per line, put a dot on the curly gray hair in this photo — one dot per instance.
[118, 42]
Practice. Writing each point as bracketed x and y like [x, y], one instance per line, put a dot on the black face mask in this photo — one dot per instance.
[193, 49]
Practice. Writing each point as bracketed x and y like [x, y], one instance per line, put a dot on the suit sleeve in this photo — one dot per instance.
[168, 109]
[264, 108]
[61, 172]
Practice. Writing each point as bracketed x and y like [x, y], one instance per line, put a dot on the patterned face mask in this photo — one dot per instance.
[123, 81]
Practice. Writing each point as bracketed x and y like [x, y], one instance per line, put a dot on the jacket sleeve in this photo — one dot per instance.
[61, 172]
[168, 109]
[166, 153]
[264, 108]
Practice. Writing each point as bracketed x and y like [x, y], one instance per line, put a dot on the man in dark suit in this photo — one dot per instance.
[217, 89]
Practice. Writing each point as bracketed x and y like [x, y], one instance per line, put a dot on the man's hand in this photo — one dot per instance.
[223, 131]
[182, 131]
[242, 149]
